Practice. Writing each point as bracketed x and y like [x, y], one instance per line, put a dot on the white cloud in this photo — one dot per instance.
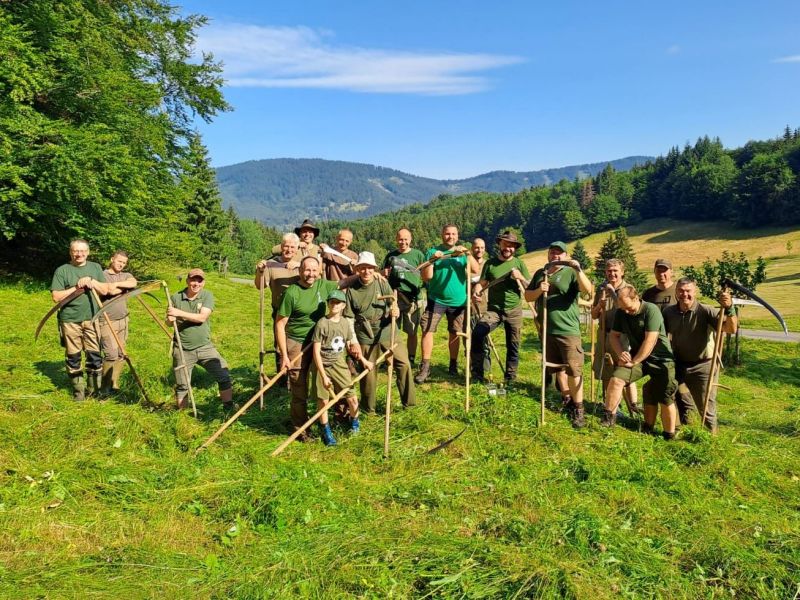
[300, 57]
[788, 59]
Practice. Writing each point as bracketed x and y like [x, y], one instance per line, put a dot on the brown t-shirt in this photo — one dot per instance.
[692, 332]
[279, 276]
[661, 298]
[120, 309]
[337, 268]
[312, 250]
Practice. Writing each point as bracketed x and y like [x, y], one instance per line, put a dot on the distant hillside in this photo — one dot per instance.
[279, 191]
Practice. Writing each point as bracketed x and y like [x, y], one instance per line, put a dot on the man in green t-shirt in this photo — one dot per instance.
[398, 268]
[191, 310]
[650, 354]
[369, 303]
[302, 305]
[446, 280]
[504, 305]
[563, 287]
[78, 333]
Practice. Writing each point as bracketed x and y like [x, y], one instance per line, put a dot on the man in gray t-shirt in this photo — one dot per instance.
[118, 315]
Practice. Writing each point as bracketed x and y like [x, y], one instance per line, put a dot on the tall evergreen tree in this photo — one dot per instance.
[579, 253]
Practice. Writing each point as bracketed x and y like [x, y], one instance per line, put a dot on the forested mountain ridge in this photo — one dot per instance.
[324, 189]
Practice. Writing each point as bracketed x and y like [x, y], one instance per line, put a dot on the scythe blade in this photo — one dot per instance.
[744, 291]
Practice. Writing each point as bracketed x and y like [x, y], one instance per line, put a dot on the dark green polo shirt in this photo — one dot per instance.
[194, 335]
[648, 318]
[563, 314]
[364, 307]
[409, 283]
[304, 307]
[692, 332]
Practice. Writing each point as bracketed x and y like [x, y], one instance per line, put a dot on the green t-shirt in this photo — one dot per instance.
[194, 335]
[372, 316]
[304, 307]
[661, 298]
[648, 318]
[402, 277]
[449, 283]
[503, 296]
[333, 338]
[563, 314]
[83, 307]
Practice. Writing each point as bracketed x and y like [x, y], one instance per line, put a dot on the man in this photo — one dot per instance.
[662, 294]
[692, 329]
[564, 346]
[398, 268]
[113, 360]
[191, 310]
[302, 305]
[306, 234]
[649, 354]
[605, 305]
[369, 303]
[279, 274]
[504, 305]
[446, 279]
[479, 307]
[78, 334]
[335, 267]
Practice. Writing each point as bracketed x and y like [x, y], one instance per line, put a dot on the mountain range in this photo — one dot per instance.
[283, 191]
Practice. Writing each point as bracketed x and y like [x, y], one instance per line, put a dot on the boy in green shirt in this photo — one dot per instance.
[333, 334]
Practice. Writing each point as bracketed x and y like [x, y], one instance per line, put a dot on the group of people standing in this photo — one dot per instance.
[335, 312]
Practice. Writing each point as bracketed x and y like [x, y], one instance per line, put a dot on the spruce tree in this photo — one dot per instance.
[618, 245]
[579, 253]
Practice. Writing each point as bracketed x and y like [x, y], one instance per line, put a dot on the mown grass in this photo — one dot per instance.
[107, 499]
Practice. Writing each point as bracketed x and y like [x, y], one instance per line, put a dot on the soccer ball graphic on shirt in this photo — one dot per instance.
[337, 345]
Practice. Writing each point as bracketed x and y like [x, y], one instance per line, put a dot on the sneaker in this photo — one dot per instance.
[355, 427]
[578, 416]
[424, 372]
[609, 419]
[327, 435]
[230, 407]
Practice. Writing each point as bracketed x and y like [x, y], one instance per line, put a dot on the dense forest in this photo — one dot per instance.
[97, 105]
[328, 189]
[752, 186]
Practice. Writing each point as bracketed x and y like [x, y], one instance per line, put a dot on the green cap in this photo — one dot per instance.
[336, 295]
[560, 245]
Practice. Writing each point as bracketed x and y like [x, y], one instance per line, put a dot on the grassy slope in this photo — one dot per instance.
[687, 243]
[106, 500]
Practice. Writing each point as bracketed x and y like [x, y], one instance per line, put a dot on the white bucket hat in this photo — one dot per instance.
[366, 258]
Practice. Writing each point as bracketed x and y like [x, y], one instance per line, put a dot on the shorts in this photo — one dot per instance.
[660, 389]
[567, 350]
[340, 377]
[434, 313]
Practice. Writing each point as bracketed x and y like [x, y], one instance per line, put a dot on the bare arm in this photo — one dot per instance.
[201, 317]
[649, 342]
[615, 343]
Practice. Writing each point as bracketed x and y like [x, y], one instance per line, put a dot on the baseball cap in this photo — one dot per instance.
[560, 245]
[663, 262]
[336, 295]
[196, 273]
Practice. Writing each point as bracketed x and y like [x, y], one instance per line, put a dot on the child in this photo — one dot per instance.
[330, 375]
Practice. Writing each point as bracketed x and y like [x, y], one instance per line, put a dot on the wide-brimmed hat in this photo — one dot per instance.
[560, 245]
[196, 273]
[366, 258]
[510, 237]
[307, 224]
[663, 262]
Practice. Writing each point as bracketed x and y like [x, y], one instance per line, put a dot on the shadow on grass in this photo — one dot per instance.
[54, 370]
[684, 234]
[792, 277]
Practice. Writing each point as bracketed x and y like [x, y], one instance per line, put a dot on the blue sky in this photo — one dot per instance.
[454, 89]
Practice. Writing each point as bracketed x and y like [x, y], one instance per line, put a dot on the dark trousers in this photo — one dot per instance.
[489, 321]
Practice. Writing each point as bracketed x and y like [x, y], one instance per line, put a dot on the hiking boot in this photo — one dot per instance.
[578, 416]
[424, 372]
[182, 402]
[327, 435]
[355, 427]
[668, 436]
[230, 407]
[648, 429]
[78, 387]
[609, 418]
[567, 402]
[635, 409]
[453, 368]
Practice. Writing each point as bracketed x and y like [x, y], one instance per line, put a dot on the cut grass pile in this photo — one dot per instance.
[107, 500]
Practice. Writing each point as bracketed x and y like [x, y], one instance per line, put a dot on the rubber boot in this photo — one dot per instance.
[327, 435]
[115, 375]
[93, 382]
[78, 386]
[107, 379]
